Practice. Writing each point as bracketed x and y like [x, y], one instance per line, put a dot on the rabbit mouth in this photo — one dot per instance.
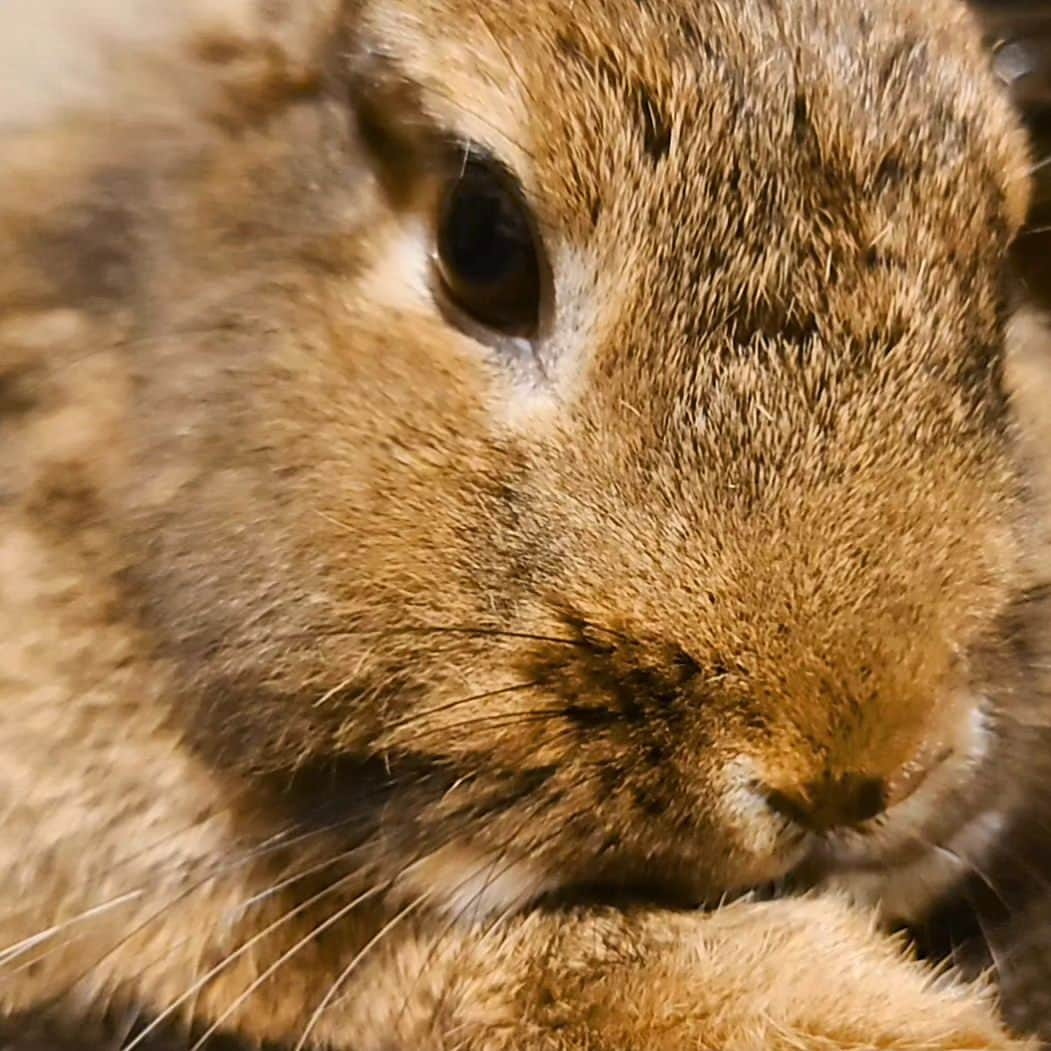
[905, 887]
[906, 865]
[910, 856]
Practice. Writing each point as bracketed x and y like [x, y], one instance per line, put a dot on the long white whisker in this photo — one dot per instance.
[969, 866]
[276, 888]
[12, 952]
[994, 953]
[496, 869]
[1040, 165]
[271, 844]
[335, 987]
[283, 959]
[231, 957]
[437, 709]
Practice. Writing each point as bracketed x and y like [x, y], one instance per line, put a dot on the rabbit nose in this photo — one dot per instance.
[832, 802]
[845, 800]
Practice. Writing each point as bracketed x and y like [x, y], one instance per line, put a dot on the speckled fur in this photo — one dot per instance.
[298, 583]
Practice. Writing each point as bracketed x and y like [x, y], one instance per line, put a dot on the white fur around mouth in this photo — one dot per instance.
[470, 884]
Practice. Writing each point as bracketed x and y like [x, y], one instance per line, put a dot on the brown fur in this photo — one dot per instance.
[283, 554]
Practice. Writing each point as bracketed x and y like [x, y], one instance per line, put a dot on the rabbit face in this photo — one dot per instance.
[570, 444]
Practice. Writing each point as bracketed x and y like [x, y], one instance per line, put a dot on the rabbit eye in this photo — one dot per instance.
[486, 252]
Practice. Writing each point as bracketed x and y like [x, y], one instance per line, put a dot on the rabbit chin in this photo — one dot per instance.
[904, 892]
[919, 850]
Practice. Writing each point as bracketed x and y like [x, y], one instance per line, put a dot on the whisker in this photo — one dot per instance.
[407, 630]
[497, 129]
[601, 629]
[144, 849]
[994, 953]
[193, 1006]
[246, 946]
[504, 50]
[966, 864]
[199, 983]
[154, 844]
[449, 706]
[287, 955]
[973, 868]
[1040, 165]
[267, 846]
[12, 952]
[336, 985]
[227, 916]
[270, 845]
[495, 720]
[287, 881]
[496, 633]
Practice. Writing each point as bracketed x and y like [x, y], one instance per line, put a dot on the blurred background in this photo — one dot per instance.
[1020, 35]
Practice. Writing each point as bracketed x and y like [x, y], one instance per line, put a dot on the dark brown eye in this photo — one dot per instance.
[486, 253]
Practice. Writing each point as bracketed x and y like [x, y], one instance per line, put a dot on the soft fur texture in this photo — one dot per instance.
[331, 639]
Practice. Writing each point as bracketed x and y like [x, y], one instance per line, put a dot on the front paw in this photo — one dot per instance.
[797, 975]
[780, 976]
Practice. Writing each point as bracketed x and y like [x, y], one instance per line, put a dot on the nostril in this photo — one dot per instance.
[832, 802]
[787, 804]
[866, 798]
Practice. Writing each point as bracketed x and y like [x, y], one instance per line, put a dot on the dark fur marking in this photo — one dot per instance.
[570, 48]
[656, 130]
[691, 35]
[649, 803]
[802, 129]
[907, 58]
[218, 50]
[20, 388]
[63, 502]
[89, 251]
[772, 323]
[609, 682]
[892, 170]
[590, 717]
[595, 210]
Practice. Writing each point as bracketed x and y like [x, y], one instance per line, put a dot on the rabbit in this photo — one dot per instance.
[487, 491]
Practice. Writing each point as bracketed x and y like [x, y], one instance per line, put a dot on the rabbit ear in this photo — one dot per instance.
[264, 53]
[237, 57]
